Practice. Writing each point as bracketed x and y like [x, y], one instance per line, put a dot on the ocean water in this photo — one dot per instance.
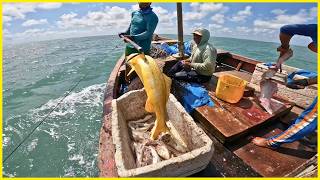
[37, 75]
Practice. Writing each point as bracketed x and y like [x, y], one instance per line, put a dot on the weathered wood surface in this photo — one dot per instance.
[106, 161]
[224, 162]
[230, 121]
[236, 61]
[273, 163]
[301, 97]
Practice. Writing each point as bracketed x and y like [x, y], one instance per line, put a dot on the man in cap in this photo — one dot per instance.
[201, 65]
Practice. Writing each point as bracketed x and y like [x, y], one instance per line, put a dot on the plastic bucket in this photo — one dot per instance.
[230, 88]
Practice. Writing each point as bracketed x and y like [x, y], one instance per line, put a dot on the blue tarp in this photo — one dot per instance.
[305, 73]
[194, 95]
[269, 64]
[174, 48]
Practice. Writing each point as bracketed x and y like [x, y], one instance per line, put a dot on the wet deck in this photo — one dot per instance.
[230, 127]
[239, 158]
[230, 121]
[274, 163]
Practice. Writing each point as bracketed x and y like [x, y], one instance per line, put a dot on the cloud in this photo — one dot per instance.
[111, 17]
[6, 31]
[135, 7]
[67, 17]
[6, 19]
[242, 15]
[208, 7]
[278, 11]
[49, 5]
[19, 10]
[313, 12]
[33, 22]
[109, 20]
[189, 16]
[303, 16]
[40, 34]
[218, 29]
[197, 25]
[243, 29]
[166, 18]
[226, 29]
[201, 10]
[218, 18]
[215, 26]
[264, 31]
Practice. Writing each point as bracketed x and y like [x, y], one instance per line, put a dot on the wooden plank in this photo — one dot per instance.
[230, 121]
[273, 163]
[224, 162]
[307, 169]
[239, 66]
[233, 60]
[106, 159]
[292, 115]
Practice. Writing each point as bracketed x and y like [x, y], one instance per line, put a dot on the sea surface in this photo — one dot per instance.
[37, 75]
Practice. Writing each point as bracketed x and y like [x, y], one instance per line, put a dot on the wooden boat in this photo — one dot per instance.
[234, 154]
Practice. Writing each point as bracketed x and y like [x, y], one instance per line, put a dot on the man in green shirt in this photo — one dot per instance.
[201, 65]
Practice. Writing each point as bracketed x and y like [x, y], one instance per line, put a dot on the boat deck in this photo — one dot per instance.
[234, 157]
[232, 131]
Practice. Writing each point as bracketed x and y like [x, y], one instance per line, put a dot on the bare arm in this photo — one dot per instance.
[285, 41]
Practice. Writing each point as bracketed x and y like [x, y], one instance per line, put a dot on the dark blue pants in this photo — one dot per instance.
[305, 124]
[179, 73]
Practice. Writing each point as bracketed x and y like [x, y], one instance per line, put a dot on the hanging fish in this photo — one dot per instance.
[157, 86]
[267, 88]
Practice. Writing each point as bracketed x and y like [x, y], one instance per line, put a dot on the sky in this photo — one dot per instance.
[23, 22]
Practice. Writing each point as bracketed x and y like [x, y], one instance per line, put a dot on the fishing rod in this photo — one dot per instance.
[135, 45]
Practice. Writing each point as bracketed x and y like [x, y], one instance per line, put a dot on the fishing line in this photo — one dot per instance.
[70, 90]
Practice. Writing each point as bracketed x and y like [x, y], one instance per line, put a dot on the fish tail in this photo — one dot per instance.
[159, 127]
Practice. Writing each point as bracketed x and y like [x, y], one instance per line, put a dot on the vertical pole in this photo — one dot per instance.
[180, 30]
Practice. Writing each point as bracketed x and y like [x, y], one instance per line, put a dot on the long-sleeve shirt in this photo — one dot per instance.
[142, 26]
[301, 29]
[204, 55]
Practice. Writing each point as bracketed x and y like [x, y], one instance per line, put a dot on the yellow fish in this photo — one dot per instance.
[157, 86]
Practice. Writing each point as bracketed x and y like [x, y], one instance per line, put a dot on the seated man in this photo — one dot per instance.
[201, 65]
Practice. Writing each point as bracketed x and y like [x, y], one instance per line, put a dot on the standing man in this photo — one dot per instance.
[143, 24]
[306, 123]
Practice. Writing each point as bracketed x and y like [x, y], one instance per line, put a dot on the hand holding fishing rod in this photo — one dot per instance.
[128, 40]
